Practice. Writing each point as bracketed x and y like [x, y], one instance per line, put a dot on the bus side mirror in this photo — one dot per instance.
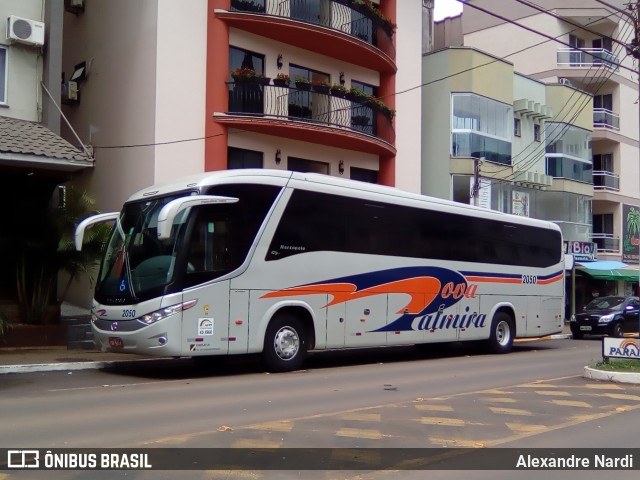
[171, 210]
[78, 236]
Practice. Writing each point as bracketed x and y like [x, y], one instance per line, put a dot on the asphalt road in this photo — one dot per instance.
[392, 398]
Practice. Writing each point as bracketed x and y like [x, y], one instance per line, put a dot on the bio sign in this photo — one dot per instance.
[581, 251]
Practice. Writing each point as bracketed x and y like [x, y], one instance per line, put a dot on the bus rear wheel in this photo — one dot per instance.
[502, 332]
[285, 344]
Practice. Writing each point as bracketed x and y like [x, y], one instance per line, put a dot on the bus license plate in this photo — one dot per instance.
[116, 342]
[585, 328]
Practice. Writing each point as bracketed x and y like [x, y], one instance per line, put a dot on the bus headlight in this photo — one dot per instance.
[163, 313]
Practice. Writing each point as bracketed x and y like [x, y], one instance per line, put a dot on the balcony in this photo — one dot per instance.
[336, 28]
[574, 231]
[603, 180]
[309, 116]
[605, 118]
[587, 58]
[606, 242]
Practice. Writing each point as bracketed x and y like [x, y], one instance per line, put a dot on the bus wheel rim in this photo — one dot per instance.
[503, 333]
[286, 343]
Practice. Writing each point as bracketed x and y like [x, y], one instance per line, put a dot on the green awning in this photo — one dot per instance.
[625, 274]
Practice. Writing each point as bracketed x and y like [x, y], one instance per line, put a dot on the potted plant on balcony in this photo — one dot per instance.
[357, 95]
[338, 90]
[302, 83]
[320, 86]
[281, 80]
[381, 107]
[243, 74]
[373, 12]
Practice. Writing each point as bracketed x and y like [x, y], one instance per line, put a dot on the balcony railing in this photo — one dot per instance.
[587, 57]
[340, 15]
[603, 180]
[270, 101]
[574, 230]
[606, 242]
[604, 118]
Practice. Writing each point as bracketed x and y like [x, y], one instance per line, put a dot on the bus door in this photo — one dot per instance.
[205, 327]
[239, 321]
[336, 324]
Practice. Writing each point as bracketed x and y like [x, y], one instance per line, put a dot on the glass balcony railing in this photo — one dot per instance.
[271, 101]
[603, 180]
[580, 232]
[587, 57]
[606, 242]
[604, 118]
[352, 18]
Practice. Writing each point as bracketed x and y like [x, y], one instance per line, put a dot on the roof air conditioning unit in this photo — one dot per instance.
[565, 81]
[25, 31]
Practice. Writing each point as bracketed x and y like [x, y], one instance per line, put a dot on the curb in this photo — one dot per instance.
[67, 366]
[608, 376]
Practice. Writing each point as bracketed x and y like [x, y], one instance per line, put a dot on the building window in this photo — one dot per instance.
[363, 175]
[243, 158]
[362, 117]
[603, 162]
[568, 152]
[516, 127]
[3, 75]
[311, 166]
[306, 103]
[603, 223]
[536, 132]
[245, 97]
[481, 128]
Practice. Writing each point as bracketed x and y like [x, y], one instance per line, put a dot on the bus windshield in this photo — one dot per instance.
[204, 245]
[136, 264]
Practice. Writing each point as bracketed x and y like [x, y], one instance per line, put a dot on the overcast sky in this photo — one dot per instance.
[446, 8]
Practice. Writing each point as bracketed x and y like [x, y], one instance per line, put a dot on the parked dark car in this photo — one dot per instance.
[611, 316]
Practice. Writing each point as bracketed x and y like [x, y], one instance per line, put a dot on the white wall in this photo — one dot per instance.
[409, 105]
[180, 88]
[24, 63]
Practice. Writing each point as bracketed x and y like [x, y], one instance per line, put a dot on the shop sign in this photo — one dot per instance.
[581, 251]
[630, 234]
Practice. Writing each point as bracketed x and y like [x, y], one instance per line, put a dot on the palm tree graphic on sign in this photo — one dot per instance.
[632, 241]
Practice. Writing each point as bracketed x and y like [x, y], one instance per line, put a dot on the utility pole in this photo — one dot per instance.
[475, 188]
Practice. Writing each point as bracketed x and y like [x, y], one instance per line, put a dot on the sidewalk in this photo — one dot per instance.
[59, 358]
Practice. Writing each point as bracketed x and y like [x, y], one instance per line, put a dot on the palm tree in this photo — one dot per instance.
[38, 268]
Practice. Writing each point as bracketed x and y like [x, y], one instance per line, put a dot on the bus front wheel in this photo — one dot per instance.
[502, 332]
[285, 344]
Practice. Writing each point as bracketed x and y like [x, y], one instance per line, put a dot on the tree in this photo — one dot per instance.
[38, 268]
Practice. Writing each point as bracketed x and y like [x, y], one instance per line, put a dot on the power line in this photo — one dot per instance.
[534, 154]
[529, 29]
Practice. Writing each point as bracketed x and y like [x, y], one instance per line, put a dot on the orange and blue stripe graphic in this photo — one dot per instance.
[430, 289]
[510, 278]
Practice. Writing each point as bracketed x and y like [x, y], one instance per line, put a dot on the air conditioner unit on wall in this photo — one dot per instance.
[25, 31]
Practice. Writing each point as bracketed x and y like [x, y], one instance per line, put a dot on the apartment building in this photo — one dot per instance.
[34, 158]
[589, 56]
[175, 88]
